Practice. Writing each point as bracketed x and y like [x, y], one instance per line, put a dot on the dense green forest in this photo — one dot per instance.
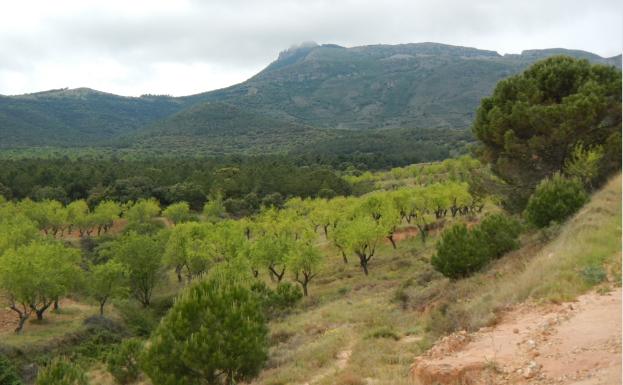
[241, 182]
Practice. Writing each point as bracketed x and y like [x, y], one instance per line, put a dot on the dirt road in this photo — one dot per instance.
[575, 343]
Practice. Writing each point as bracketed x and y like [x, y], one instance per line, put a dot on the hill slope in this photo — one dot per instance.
[424, 85]
[219, 128]
[76, 117]
[409, 86]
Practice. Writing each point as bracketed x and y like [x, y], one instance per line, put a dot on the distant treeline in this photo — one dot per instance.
[241, 182]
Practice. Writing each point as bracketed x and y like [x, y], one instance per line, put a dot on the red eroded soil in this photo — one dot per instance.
[574, 343]
[116, 228]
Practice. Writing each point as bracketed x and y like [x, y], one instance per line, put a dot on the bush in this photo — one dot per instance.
[215, 333]
[8, 375]
[554, 200]
[123, 362]
[383, 332]
[279, 301]
[140, 321]
[460, 252]
[594, 274]
[62, 372]
[500, 234]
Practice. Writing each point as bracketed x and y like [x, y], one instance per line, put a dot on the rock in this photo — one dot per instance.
[531, 344]
[531, 370]
[428, 373]
[515, 330]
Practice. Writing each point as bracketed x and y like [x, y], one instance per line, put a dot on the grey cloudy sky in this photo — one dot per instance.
[180, 47]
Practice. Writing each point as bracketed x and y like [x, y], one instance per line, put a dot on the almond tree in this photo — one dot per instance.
[37, 274]
[361, 235]
[303, 261]
[106, 281]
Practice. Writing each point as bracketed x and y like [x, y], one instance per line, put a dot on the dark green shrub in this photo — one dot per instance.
[500, 233]
[287, 295]
[554, 200]
[594, 274]
[8, 375]
[62, 372]
[326, 193]
[144, 228]
[237, 206]
[460, 252]
[139, 320]
[273, 200]
[123, 361]
[279, 301]
[384, 332]
[215, 333]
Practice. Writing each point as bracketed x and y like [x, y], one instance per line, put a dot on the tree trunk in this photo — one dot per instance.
[102, 303]
[326, 231]
[178, 271]
[423, 233]
[304, 284]
[344, 258]
[278, 276]
[42, 310]
[23, 316]
[363, 262]
[20, 324]
[56, 306]
[391, 239]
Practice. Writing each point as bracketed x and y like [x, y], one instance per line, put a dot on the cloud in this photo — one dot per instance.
[182, 47]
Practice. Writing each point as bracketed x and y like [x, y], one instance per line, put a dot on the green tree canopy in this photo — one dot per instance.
[142, 256]
[214, 334]
[177, 212]
[185, 249]
[106, 281]
[304, 261]
[35, 275]
[531, 124]
[555, 199]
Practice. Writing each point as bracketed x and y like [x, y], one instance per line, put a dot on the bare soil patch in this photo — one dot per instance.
[570, 343]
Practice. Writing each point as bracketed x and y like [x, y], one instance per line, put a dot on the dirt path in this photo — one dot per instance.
[576, 343]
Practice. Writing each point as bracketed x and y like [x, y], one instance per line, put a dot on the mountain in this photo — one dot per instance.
[311, 97]
[77, 117]
[424, 85]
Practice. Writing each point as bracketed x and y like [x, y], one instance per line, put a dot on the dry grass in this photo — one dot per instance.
[55, 325]
[356, 312]
[540, 271]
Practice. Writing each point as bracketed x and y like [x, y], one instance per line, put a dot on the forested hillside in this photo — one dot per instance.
[77, 117]
[311, 99]
[424, 85]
